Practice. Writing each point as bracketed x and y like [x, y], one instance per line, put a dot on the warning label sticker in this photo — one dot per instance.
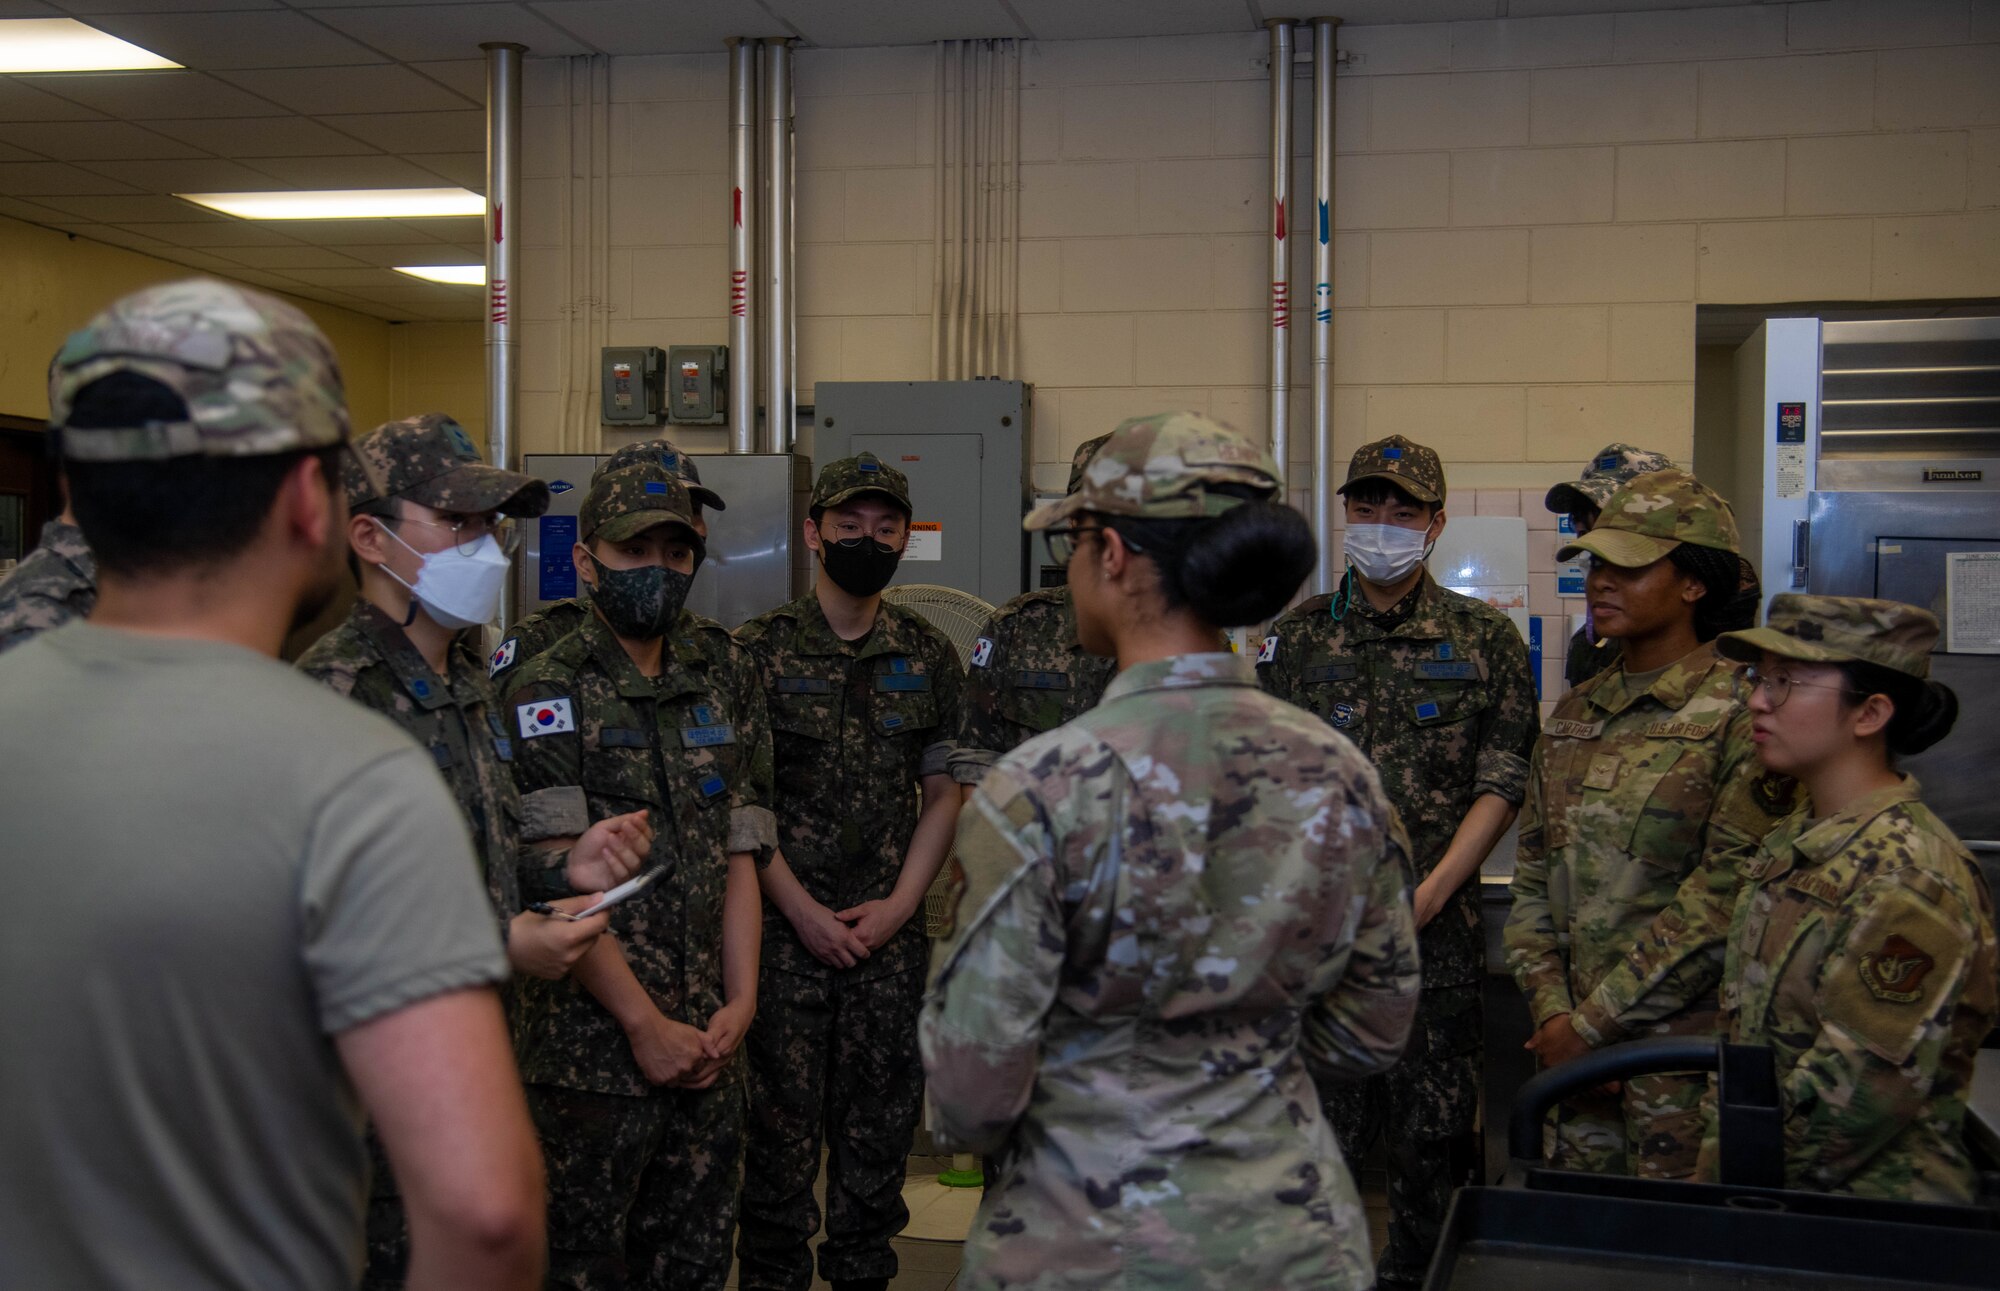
[926, 540]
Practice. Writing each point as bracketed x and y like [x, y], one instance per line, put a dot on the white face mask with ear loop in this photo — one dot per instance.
[458, 589]
[1385, 553]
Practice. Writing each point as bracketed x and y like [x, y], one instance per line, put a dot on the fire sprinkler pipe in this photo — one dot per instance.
[742, 245]
[1281, 278]
[779, 415]
[1324, 573]
[503, 191]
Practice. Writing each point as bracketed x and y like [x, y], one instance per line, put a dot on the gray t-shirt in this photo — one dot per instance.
[214, 865]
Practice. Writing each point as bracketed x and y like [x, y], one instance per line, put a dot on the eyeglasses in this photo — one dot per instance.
[1777, 686]
[1062, 542]
[467, 532]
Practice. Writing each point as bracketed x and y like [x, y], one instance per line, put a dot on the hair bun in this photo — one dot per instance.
[1243, 566]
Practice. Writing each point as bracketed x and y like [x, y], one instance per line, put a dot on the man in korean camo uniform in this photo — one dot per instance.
[862, 727]
[54, 583]
[632, 1064]
[1436, 691]
[1581, 500]
[1029, 673]
[1645, 801]
[538, 631]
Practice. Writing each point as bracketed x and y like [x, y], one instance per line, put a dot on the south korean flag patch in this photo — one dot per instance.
[545, 717]
[1268, 651]
[503, 658]
[982, 652]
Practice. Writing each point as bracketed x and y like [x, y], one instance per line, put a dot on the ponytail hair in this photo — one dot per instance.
[1237, 568]
[1925, 710]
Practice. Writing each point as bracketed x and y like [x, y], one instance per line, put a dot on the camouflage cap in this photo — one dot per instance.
[632, 499]
[1613, 465]
[1162, 467]
[257, 376]
[1409, 465]
[1840, 629]
[681, 464]
[1084, 452]
[430, 460]
[1649, 516]
[863, 473]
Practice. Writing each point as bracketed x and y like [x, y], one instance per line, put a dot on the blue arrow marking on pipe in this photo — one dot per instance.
[1325, 225]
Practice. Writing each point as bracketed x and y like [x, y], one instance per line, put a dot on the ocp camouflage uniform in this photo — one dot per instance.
[643, 1180]
[1136, 1038]
[855, 726]
[54, 583]
[1437, 693]
[1862, 952]
[1028, 675]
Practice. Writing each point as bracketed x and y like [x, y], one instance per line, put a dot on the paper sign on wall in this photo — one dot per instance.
[1569, 574]
[1972, 602]
[926, 541]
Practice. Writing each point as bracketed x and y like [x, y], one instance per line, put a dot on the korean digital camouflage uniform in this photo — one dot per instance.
[1028, 671]
[1645, 800]
[1178, 910]
[1437, 693]
[54, 583]
[1862, 952]
[431, 461]
[550, 624]
[642, 1180]
[855, 725]
[1612, 466]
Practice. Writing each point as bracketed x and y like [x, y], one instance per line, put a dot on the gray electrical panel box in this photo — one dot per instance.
[631, 381]
[698, 385]
[964, 447]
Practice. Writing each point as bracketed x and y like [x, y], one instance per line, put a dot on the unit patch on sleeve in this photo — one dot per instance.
[1268, 651]
[503, 658]
[1896, 970]
[982, 652]
[545, 717]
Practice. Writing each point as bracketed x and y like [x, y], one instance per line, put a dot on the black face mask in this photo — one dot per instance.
[641, 603]
[859, 566]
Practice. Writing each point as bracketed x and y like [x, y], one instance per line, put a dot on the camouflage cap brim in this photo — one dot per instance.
[1049, 514]
[634, 523]
[1621, 547]
[847, 495]
[705, 496]
[1580, 495]
[1403, 482]
[473, 488]
[1750, 645]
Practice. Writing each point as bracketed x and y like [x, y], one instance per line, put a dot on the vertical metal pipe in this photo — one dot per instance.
[742, 245]
[1322, 325]
[1281, 274]
[503, 192]
[777, 233]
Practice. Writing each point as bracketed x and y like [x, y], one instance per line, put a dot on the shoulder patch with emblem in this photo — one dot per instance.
[1268, 651]
[1773, 793]
[503, 658]
[1895, 970]
[982, 652]
[545, 717]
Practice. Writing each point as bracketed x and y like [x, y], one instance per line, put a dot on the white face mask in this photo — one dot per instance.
[1384, 553]
[458, 589]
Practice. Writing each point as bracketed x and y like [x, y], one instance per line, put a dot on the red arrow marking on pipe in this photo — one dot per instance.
[1281, 221]
[498, 212]
[739, 208]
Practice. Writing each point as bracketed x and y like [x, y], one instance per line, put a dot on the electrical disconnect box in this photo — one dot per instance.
[632, 382]
[698, 385]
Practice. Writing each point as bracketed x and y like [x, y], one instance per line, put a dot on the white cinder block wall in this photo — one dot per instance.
[1527, 213]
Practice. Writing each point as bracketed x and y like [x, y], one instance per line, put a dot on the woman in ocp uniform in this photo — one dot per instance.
[1862, 948]
[1645, 798]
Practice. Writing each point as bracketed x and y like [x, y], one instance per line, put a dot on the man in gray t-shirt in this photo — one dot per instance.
[256, 916]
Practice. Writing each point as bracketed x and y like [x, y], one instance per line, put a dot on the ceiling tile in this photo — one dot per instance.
[28, 9]
[149, 208]
[1067, 20]
[370, 171]
[355, 276]
[256, 38]
[32, 212]
[289, 258]
[113, 235]
[8, 152]
[289, 136]
[660, 26]
[52, 179]
[395, 253]
[20, 102]
[449, 30]
[901, 22]
[458, 229]
[193, 175]
[466, 169]
[331, 91]
[219, 233]
[163, 6]
[347, 233]
[420, 131]
[140, 96]
[466, 75]
[93, 140]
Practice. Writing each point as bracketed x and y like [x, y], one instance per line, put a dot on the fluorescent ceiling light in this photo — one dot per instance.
[344, 203]
[472, 275]
[66, 45]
